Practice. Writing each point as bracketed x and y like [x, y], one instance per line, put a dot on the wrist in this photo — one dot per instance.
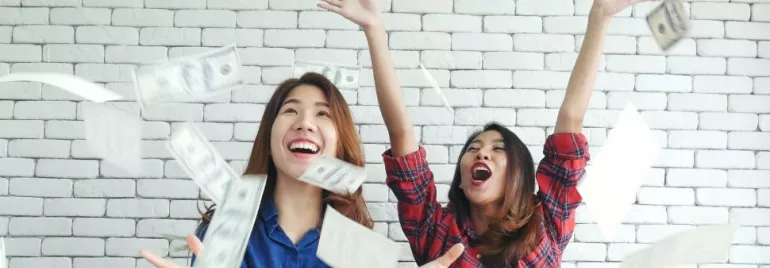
[597, 15]
[376, 25]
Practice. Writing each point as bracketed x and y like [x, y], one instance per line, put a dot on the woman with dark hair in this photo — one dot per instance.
[493, 209]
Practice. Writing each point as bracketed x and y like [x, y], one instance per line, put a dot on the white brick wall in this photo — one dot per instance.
[708, 101]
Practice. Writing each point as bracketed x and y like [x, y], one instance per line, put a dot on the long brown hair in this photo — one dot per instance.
[348, 148]
[516, 229]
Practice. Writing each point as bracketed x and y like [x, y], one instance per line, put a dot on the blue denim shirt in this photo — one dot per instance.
[270, 247]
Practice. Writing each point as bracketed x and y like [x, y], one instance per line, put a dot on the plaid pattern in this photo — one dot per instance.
[432, 229]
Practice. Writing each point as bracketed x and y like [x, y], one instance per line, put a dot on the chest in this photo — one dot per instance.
[269, 246]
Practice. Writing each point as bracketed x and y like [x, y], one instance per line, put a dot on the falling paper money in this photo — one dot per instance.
[344, 77]
[347, 244]
[611, 182]
[3, 261]
[227, 236]
[669, 23]
[193, 77]
[704, 244]
[334, 175]
[73, 84]
[435, 86]
[201, 161]
[114, 136]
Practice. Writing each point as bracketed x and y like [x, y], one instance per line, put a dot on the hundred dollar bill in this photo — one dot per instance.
[342, 76]
[347, 244]
[193, 77]
[704, 244]
[335, 175]
[114, 136]
[201, 161]
[669, 23]
[226, 238]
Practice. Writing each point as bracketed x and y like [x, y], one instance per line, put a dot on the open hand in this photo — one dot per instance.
[448, 258]
[611, 7]
[193, 243]
[362, 12]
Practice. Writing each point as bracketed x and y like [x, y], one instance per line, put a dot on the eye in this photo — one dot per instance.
[500, 148]
[289, 110]
[323, 113]
[471, 149]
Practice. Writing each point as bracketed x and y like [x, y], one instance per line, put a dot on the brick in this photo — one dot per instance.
[104, 262]
[39, 148]
[697, 102]
[159, 228]
[338, 56]
[636, 64]
[481, 116]
[707, 29]
[749, 254]
[697, 215]
[62, 262]
[67, 168]
[720, 11]
[101, 227]
[497, 7]
[43, 34]
[104, 72]
[748, 141]
[237, 4]
[687, 139]
[666, 196]
[540, 79]
[629, 26]
[676, 177]
[205, 18]
[725, 159]
[641, 100]
[727, 48]
[65, 68]
[577, 251]
[722, 84]
[324, 20]
[764, 49]
[74, 207]
[113, 3]
[46, 3]
[427, 6]
[240, 37]
[748, 67]
[153, 188]
[26, 226]
[543, 42]
[481, 79]
[81, 16]
[135, 54]
[760, 12]
[482, 42]
[451, 23]
[565, 24]
[129, 247]
[747, 103]
[267, 56]
[275, 19]
[21, 206]
[6, 33]
[73, 53]
[456, 97]
[686, 47]
[137, 208]
[167, 36]
[511, 24]
[554, 99]
[545, 8]
[62, 246]
[618, 44]
[142, 17]
[20, 53]
[675, 158]
[233, 112]
[420, 40]
[746, 30]
[176, 4]
[40, 187]
[295, 38]
[663, 83]
[186, 209]
[101, 188]
[726, 197]
[728, 121]
[32, 129]
[23, 16]
[513, 60]
[44, 110]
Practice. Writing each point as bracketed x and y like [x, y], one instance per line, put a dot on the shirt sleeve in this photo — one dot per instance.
[563, 164]
[412, 182]
[200, 234]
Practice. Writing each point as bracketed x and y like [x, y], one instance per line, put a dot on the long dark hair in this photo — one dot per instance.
[348, 148]
[515, 231]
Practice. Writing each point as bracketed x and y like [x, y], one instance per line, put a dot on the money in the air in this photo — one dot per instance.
[342, 76]
[436, 88]
[201, 161]
[700, 245]
[669, 23]
[228, 234]
[335, 175]
[3, 261]
[188, 78]
[73, 84]
[346, 244]
[114, 136]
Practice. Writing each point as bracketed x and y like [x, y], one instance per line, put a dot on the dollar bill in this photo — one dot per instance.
[114, 136]
[3, 261]
[669, 23]
[335, 175]
[342, 76]
[193, 77]
[72, 84]
[436, 88]
[201, 161]
[704, 244]
[226, 238]
[347, 244]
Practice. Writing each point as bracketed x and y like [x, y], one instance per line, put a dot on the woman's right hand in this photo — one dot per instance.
[448, 258]
[193, 243]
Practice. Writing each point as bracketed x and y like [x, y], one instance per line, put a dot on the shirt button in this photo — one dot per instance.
[478, 256]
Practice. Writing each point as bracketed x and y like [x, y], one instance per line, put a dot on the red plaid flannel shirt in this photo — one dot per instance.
[432, 229]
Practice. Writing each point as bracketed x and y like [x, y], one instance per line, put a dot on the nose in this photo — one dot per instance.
[305, 123]
[482, 155]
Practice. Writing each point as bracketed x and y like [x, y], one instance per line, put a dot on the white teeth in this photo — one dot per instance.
[303, 145]
[481, 168]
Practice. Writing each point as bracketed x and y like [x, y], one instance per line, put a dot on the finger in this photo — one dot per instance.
[450, 256]
[336, 3]
[194, 244]
[156, 261]
[326, 6]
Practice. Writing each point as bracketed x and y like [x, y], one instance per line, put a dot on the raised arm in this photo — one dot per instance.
[583, 78]
[366, 13]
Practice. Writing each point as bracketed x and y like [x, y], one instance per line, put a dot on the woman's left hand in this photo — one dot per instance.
[448, 258]
[611, 7]
[365, 13]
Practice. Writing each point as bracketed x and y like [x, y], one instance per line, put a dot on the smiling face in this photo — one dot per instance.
[483, 169]
[303, 129]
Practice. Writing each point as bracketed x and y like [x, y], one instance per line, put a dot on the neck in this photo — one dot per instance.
[481, 217]
[298, 204]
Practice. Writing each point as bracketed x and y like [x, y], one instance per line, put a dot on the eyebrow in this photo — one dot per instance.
[296, 101]
[494, 141]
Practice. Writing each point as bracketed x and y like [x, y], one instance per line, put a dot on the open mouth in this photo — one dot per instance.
[480, 172]
[303, 148]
